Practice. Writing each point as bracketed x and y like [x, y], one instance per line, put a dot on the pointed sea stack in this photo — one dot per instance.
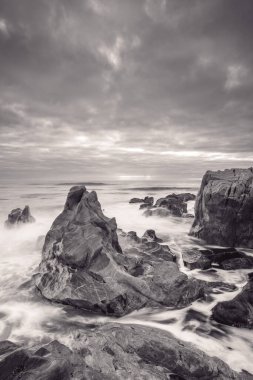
[83, 264]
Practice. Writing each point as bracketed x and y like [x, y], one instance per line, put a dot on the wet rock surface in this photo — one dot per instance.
[224, 258]
[114, 351]
[238, 311]
[18, 216]
[83, 264]
[224, 208]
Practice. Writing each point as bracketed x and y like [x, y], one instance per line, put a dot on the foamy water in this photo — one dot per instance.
[26, 317]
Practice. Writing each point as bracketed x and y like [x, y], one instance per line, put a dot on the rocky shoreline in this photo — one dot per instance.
[88, 263]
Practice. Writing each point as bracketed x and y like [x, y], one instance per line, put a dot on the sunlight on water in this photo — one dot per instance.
[25, 316]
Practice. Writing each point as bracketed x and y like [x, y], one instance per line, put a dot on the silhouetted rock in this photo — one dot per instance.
[19, 216]
[224, 208]
[225, 258]
[116, 352]
[238, 311]
[83, 265]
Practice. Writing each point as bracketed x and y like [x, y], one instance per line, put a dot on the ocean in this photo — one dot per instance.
[25, 317]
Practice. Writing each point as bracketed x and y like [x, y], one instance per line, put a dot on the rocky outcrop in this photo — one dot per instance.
[83, 264]
[150, 235]
[114, 352]
[136, 200]
[224, 208]
[224, 258]
[146, 202]
[238, 311]
[19, 216]
[172, 204]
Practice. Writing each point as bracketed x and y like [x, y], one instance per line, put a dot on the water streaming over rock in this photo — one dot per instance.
[26, 317]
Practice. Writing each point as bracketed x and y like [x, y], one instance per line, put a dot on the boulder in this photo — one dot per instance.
[115, 352]
[174, 203]
[224, 208]
[146, 202]
[83, 264]
[149, 200]
[196, 259]
[237, 312]
[224, 258]
[19, 216]
[150, 235]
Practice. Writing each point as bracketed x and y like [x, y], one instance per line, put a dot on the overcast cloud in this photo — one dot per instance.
[114, 89]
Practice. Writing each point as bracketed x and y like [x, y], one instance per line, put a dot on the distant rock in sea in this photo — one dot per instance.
[113, 352]
[19, 216]
[172, 204]
[83, 264]
[147, 201]
[224, 208]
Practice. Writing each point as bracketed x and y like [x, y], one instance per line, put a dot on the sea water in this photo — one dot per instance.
[25, 317]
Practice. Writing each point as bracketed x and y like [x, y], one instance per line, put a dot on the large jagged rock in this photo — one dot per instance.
[19, 216]
[224, 208]
[115, 352]
[238, 311]
[83, 264]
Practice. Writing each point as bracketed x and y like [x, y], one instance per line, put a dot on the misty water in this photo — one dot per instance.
[25, 317]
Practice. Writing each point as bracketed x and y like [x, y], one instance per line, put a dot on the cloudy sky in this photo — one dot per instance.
[119, 89]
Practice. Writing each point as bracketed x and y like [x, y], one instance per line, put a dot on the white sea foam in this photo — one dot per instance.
[26, 316]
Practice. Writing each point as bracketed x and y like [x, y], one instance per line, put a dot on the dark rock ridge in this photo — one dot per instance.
[19, 216]
[114, 352]
[238, 311]
[83, 264]
[224, 258]
[224, 208]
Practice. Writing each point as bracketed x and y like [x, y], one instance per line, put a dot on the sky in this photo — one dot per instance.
[156, 90]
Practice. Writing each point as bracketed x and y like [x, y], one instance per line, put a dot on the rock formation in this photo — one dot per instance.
[114, 352]
[172, 204]
[225, 258]
[224, 208]
[83, 264]
[19, 216]
[136, 200]
[146, 202]
[238, 311]
[150, 235]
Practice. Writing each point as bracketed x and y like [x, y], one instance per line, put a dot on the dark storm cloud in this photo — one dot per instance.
[116, 88]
